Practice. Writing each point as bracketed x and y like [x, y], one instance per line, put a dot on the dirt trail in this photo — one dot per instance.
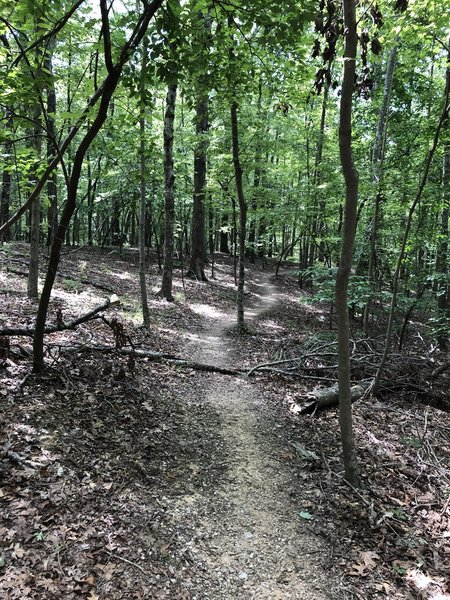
[254, 543]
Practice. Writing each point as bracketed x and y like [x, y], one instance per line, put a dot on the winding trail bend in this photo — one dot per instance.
[256, 546]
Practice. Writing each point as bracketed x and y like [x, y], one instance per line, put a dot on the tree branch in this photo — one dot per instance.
[65, 326]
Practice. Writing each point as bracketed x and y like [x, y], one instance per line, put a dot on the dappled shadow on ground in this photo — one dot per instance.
[93, 455]
[102, 456]
[391, 537]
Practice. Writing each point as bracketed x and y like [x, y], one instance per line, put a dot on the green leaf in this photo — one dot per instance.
[305, 515]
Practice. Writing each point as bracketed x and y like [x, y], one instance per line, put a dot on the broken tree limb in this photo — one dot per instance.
[267, 365]
[158, 357]
[440, 370]
[64, 326]
[179, 361]
[323, 398]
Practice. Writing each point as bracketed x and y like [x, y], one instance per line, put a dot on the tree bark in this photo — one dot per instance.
[143, 193]
[242, 216]
[7, 149]
[442, 254]
[6, 178]
[377, 173]
[35, 215]
[252, 234]
[169, 193]
[52, 149]
[321, 221]
[198, 237]
[198, 251]
[348, 238]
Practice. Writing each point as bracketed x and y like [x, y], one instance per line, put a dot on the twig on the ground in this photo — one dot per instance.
[20, 460]
[22, 382]
[130, 562]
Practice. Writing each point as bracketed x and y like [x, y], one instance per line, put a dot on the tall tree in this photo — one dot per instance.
[52, 145]
[143, 187]
[378, 155]
[347, 244]
[169, 194]
[104, 93]
[7, 149]
[442, 251]
[198, 237]
[35, 212]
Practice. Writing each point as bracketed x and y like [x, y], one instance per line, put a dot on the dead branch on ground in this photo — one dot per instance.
[92, 314]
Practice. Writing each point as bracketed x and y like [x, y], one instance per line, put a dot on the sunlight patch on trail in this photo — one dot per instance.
[256, 548]
[206, 310]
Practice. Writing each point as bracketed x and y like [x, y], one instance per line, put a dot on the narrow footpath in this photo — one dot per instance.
[254, 544]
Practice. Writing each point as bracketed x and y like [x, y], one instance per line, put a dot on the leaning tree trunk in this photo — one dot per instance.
[107, 90]
[348, 239]
[143, 193]
[242, 216]
[169, 193]
[377, 173]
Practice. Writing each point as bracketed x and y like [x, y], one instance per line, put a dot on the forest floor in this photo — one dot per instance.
[128, 478]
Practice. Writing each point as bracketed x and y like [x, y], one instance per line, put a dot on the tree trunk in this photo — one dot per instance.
[321, 220]
[223, 239]
[169, 193]
[242, 216]
[108, 87]
[52, 212]
[90, 203]
[7, 149]
[35, 215]
[143, 193]
[252, 234]
[6, 178]
[198, 251]
[348, 238]
[377, 173]
[442, 253]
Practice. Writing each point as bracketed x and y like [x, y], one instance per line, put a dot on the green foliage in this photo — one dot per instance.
[262, 56]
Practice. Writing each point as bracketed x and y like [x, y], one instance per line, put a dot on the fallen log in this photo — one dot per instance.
[440, 370]
[267, 366]
[92, 314]
[177, 360]
[326, 397]
[159, 357]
